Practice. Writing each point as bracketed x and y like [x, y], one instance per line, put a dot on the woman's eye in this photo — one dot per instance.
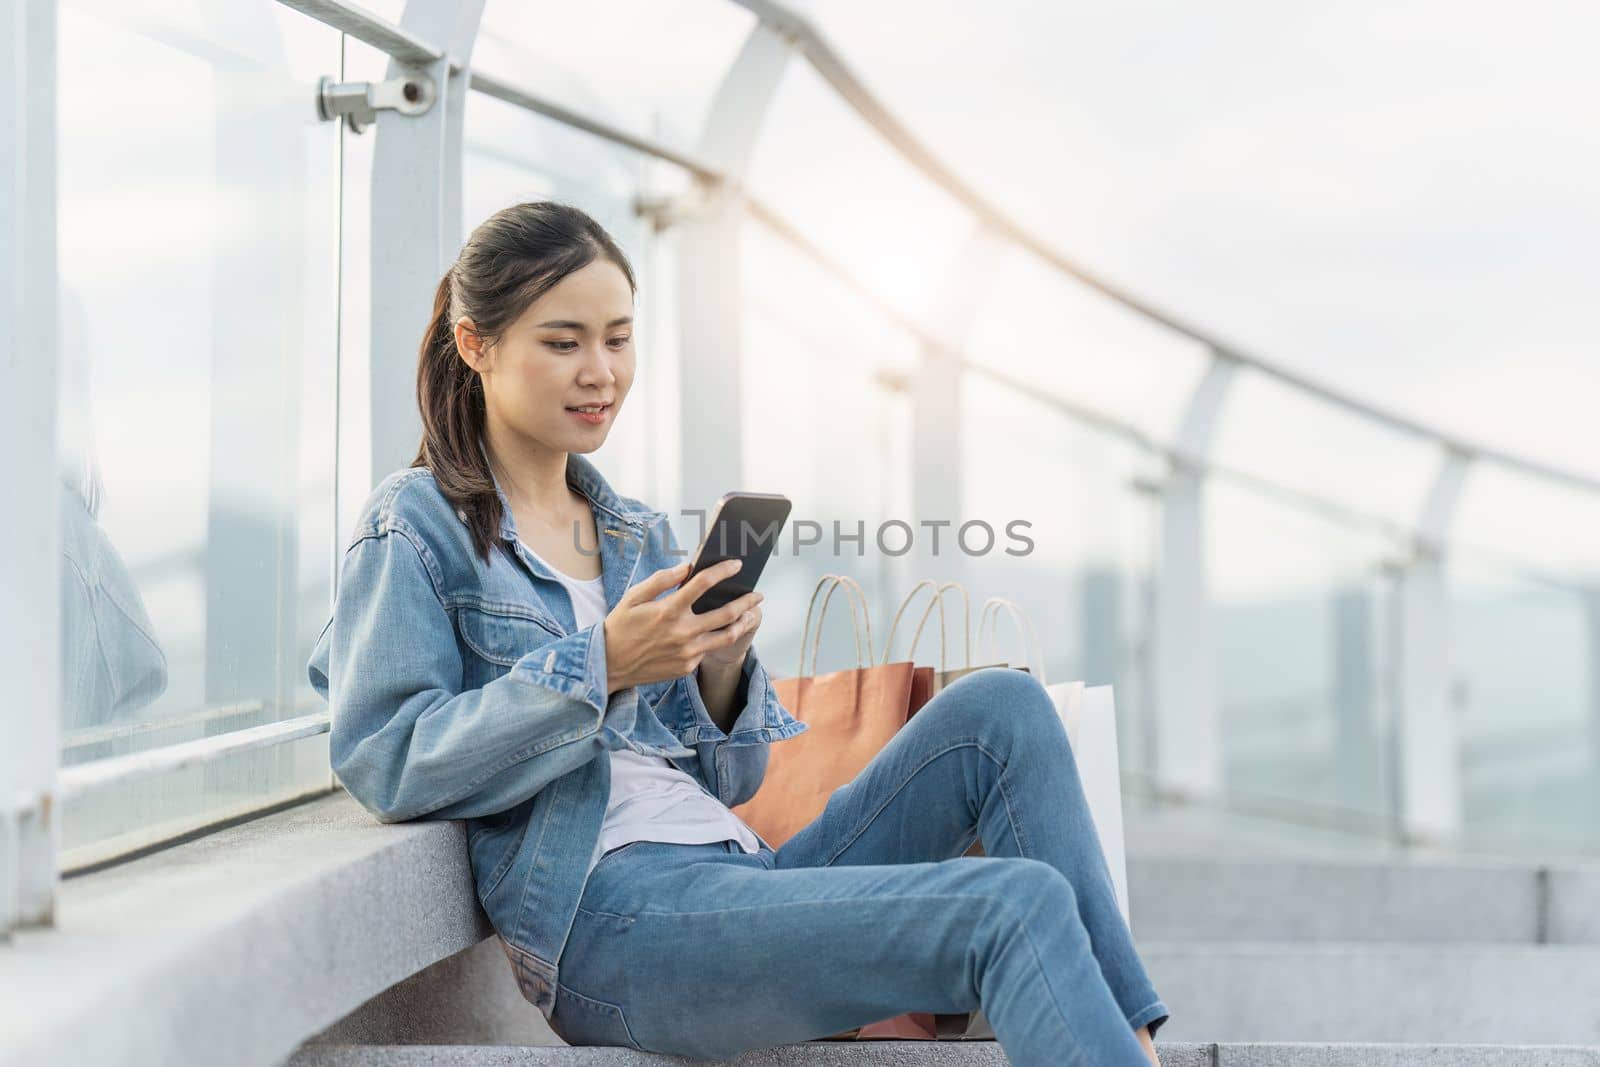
[618, 342]
[563, 346]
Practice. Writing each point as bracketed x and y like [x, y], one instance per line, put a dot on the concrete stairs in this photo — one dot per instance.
[948, 1054]
[1271, 952]
[1250, 941]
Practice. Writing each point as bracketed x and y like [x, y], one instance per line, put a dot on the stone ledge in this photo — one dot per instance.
[963, 1054]
[812, 1054]
[236, 947]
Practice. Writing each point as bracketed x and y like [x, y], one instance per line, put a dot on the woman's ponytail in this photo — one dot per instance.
[450, 397]
[516, 256]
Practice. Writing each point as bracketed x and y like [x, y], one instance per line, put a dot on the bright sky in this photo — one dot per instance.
[1397, 198]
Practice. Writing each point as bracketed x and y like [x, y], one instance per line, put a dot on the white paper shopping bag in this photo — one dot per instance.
[1095, 751]
[1090, 717]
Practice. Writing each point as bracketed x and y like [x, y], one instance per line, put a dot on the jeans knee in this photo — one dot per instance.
[1025, 903]
[1030, 887]
[1001, 699]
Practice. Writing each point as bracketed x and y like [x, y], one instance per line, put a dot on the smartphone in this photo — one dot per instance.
[743, 526]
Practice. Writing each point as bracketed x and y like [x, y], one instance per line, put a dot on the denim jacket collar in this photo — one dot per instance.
[622, 528]
[588, 481]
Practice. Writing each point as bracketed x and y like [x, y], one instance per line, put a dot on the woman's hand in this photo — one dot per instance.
[743, 630]
[650, 640]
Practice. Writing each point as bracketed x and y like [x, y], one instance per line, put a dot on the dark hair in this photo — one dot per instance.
[512, 259]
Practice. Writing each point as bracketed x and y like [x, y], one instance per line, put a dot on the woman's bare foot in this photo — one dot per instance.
[1143, 1034]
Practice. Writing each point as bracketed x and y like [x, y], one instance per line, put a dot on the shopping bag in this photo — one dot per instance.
[922, 678]
[989, 617]
[944, 674]
[1091, 716]
[851, 715]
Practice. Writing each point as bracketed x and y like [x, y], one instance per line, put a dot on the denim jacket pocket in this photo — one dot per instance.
[503, 637]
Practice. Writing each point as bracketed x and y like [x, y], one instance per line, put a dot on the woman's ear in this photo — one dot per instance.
[471, 344]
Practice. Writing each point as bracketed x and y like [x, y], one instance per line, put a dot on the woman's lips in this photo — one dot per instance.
[594, 419]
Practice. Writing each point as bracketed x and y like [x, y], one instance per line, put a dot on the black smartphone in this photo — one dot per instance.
[743, 526]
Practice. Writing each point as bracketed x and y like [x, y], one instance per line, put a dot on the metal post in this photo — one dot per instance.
[30, 541]
[711, 265]
[937, 436]
[1356, 729]
[416, 222]
[1187, 745]
[1428, 762]
[1591, 598]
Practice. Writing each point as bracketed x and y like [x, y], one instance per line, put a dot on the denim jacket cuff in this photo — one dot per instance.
[762, 718]
[625, 721]
[594, 667]
[575, 666]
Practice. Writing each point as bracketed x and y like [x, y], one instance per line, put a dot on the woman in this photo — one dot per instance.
[485, 663]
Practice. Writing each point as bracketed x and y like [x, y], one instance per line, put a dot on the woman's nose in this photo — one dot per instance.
[596, 367]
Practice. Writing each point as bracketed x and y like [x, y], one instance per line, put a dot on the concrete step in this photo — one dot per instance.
[812, 1054]
[1408, 993]
[1198, 830]
[957, 1054]
[1260, 898]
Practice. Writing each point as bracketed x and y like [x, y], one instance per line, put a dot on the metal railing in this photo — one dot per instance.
[825, 60]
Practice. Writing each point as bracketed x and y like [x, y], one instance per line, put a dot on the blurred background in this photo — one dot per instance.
[1269, 320]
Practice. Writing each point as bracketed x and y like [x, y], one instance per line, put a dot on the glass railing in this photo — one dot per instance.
[198, 246]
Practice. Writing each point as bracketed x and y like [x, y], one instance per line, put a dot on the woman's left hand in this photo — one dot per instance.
[744, 630]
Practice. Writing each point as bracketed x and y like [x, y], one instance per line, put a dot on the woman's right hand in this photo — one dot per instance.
[650, 640]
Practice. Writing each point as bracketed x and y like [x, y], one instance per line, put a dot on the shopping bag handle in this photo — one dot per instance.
[911, 653]
[937, 601]
[966, 623]
[858, 602]
[989, 621]
[857, 598]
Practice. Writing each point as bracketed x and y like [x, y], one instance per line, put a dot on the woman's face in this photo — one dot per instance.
[572, 348]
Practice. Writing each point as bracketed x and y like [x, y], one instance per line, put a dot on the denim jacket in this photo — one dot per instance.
[464, 690]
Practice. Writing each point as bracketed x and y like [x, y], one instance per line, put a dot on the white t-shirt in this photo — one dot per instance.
[651, 800]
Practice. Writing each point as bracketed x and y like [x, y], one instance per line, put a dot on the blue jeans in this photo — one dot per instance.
[872, 910]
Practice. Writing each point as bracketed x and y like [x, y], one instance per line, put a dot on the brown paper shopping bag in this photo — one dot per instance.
[852, 714]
